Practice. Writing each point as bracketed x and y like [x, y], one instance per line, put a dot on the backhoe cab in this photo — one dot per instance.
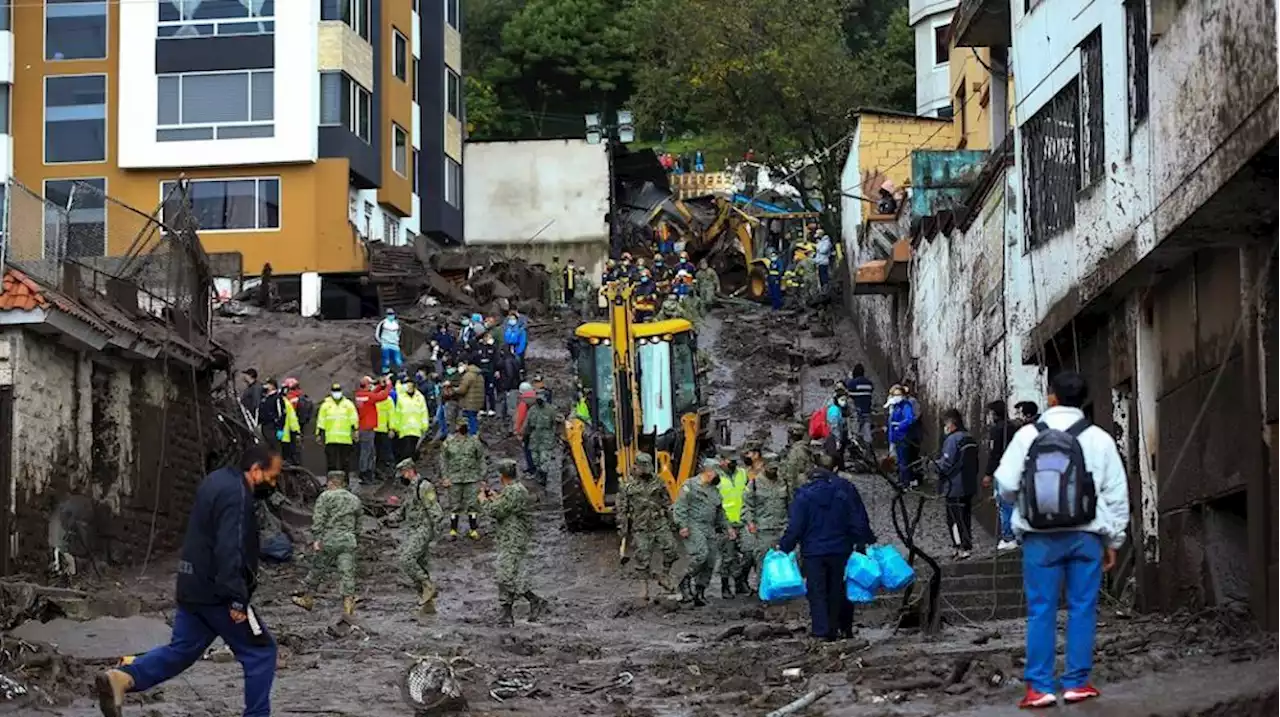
[640, 393]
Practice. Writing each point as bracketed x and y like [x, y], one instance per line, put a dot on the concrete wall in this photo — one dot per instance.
[557, 190]
[932, 77]
[89, 425]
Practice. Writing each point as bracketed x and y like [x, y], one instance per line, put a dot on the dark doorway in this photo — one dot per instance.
[6, 477]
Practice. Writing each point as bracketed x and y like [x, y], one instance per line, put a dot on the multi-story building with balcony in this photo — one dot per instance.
[306, 128]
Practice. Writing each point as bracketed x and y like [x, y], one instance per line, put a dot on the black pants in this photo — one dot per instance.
[338, 457]
[384, 449]
[830, 612]
[959, 522]
[406, 447]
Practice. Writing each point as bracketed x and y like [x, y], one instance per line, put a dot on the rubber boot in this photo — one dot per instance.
[453, 525]
[504, 617]
[537, 606]
[644, 591]
[725, 591]
[700, 596]
[740, 584]
[111, 687]
[306, 602]
[428, 606]
[473, 522]
[686, 590]
[349, 605]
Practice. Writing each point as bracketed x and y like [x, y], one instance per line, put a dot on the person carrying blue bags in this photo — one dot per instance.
[828, 521]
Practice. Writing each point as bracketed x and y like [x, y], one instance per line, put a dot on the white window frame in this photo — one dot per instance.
[361, 22]
[449, 74]
[933, 44]
[257, 190]
[215, 126]
[218, 23]
[6, 109]
[396, 150]
[44, 29]
[452, 190]
[457, 13]
[399, 60]
[44, 119]
[44, 223]
[413, 81]
[413, 169]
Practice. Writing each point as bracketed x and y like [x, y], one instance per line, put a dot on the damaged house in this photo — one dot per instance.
[1128, 234]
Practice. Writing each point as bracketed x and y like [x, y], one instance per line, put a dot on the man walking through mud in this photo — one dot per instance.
[700, 517]
[644, 521]
[216, 581]
[335, 523]
[423, 515]
[461, 463]
[511, 510]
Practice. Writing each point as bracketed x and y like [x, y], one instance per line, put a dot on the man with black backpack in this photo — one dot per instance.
[1071, 499]
[957, 469]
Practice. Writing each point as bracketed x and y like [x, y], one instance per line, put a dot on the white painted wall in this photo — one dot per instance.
[933, 80]
[515, 189]
[851, 208]
[297, 97]
[6, 56]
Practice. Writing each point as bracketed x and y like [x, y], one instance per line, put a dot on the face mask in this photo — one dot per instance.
[840, 402]
[337, 395]
[262, 491]
[511, 321]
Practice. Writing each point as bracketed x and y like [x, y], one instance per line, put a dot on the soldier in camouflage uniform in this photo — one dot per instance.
[798, 461]
[539, 432]
[335, 521]
[423, 514]
[512, 511]
[461, 462]
[644, 518]
[764, 512]
[700, 518]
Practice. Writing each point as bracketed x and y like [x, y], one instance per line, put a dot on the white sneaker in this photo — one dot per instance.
[1007, 545]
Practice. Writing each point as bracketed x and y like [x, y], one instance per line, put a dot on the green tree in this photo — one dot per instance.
[782, 76]
[484, 114]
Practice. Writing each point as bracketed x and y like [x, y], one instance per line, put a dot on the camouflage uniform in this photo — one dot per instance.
[588, 296]
[708, 286]
[461, 462]
[540, 430]
[765, 506]
[335, 521]
[512, 512]
[555, 285]
[644, 513]
[423, 515]
[796, 466]
[699, 510]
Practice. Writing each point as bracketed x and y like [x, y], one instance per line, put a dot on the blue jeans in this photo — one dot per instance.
[194, 629]
[1006, 518]
[473, 422]
[824, 274]
[391, 356]
[442, 423]
[1050, 561]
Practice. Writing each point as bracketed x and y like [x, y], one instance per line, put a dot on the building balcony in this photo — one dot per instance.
[982, 23]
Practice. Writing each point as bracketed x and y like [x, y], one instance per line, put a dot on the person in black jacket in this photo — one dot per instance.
[999, 431]
[216, 580]
[509, 373]
[272, 413]
[828, 521]
[958, 480]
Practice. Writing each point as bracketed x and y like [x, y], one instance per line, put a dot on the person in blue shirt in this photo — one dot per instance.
[828, 521]
[861, 392]
[902, 417]
[774, 279]
[516, 335]
[217, 574]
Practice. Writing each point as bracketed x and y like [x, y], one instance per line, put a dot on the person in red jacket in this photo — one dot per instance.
[527, 396]
[367, 398]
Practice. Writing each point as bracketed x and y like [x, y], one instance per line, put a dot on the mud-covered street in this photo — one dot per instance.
[602, 650]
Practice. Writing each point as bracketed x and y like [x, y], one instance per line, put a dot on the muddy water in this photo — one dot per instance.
[602, 650]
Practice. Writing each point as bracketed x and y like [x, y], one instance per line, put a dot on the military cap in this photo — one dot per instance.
[710, 463]
[405, 464]
[751, 445]
[461, 421]
[506, 467]
[644, 460]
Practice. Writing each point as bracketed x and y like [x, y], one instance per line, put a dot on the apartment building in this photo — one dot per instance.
[931, 23]
[306, 128]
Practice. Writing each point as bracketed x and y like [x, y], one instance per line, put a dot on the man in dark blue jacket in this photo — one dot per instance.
[216, 579]
[829, 521]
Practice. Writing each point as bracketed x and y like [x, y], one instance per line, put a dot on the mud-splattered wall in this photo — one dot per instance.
[90, 424]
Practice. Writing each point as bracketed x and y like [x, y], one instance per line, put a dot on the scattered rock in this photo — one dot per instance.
[958, 689]
[102, 638]
[823, 355]
[780, 404]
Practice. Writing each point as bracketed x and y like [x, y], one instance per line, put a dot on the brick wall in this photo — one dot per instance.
[888, 140]
[91, 425]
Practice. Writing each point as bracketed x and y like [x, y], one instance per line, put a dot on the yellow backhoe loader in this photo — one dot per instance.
[640, 393]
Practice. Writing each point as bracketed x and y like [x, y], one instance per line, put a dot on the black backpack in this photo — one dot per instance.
[1057, 488]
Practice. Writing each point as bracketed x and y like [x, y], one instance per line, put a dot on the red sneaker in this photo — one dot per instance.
[1080, 694]
[1035, 699]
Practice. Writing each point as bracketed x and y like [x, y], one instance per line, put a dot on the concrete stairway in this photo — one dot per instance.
[975, 591]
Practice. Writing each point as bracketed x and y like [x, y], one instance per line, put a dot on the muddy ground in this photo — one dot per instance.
[601, 650]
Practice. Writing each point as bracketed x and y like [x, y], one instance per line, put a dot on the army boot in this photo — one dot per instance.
[740, 584]
[111, 687]
[429, 591]
[306, 602]
[725, 591]
[700, 596]
[473, 522]
[349, 605]
[453, 526]
[537, 606]
[504, 617]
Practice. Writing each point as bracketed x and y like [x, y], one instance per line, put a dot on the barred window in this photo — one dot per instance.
[1051, 156]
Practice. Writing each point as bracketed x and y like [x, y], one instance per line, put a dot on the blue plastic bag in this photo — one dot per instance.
[895, 573]
[780, 577]
[863, 571]
[857, 594]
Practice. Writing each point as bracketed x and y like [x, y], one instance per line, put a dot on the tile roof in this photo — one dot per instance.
[22, 293]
